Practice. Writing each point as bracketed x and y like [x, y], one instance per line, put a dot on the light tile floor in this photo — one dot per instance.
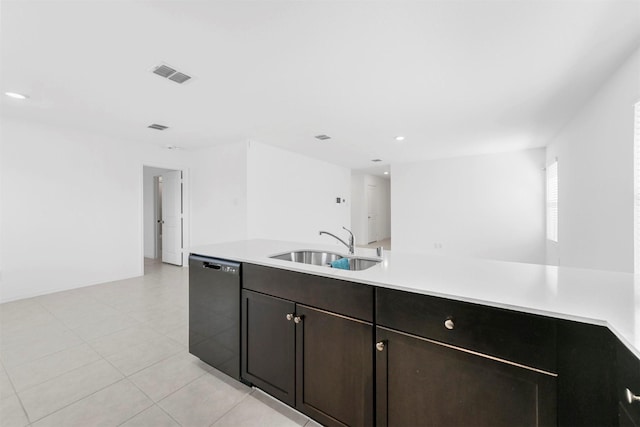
[116, 354]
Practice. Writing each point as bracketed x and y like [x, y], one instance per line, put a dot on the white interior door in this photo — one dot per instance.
[172, 217]
[372, 214]
[157, 218]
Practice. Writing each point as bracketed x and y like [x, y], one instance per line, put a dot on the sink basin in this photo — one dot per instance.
[326, 258]
[362, 263]
[309, 257]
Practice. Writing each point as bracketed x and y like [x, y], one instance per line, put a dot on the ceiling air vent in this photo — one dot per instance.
[179, 77]
[322, 137]
[376, 160]
[171, 73]
[164, 71]
[158, 127]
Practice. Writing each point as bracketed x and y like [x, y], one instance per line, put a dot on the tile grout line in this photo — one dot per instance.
[76, 401]
[143, 368]
[55, 317]
[153, 403]
[278, 402]
[178, 389]
[59, 375]
[67, 329]
[232, 408]
[146, 409]
[15, 393]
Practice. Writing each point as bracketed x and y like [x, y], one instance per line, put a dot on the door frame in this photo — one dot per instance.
[157, 216]
[371, 188]
[186, 213]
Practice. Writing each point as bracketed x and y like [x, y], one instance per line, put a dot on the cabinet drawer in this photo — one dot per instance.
[518, 337]
[338, 296]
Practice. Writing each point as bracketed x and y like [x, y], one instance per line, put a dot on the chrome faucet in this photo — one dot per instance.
[350, 245]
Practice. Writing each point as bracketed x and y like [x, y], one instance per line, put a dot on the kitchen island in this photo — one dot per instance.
[583, 324]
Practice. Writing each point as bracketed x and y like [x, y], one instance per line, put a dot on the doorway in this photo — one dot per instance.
[372, 213]
[371, 209]
[163, 215]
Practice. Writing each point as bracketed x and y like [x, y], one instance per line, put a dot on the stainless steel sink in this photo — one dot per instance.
[362, 263]
[326, 258]
[309, 257]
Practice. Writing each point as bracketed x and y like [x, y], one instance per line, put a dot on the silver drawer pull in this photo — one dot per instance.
[631, 397]
[289, 316]
[449, 324]
[380, 346]
[297, 319]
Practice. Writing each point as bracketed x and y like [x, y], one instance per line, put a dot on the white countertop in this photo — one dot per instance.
[592, 296]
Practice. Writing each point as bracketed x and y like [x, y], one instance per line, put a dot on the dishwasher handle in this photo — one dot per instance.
[211, 265]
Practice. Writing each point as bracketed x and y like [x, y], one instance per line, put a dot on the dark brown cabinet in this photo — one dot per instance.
[627, 387]
[448, 363]
[318, 360]
[268, 339]
[349, 354]
[334, 368]
[422, 382]
[586, 358]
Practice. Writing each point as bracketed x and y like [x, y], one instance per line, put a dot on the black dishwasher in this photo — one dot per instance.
[214, 313]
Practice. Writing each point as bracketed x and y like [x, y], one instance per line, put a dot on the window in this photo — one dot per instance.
[552, 201]
[636, 188]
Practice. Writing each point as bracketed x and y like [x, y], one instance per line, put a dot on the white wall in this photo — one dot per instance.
[489, 206]
[293, 197]
[359, 204]
[595, 177]
[218, 186]
[71, 208]
[72, 203]
[358, 208]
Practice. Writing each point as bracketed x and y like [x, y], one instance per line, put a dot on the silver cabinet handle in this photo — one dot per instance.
[297, 319]
[289, 316]
[380, 346]
[449, 324]
[631, 397]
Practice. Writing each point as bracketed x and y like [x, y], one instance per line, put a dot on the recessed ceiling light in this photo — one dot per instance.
[16, 95]
[322, 137]
[399, 138]
[386, 172]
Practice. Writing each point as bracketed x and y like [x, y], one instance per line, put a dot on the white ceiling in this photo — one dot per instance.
[454, 77]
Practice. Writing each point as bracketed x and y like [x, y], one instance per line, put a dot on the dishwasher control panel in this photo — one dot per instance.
[229, 269]
[219, 265]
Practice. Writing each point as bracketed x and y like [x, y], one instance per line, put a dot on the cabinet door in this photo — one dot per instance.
[586, 375]
[268, 350]
[334, 357]
[628, 381]
[420, 382]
